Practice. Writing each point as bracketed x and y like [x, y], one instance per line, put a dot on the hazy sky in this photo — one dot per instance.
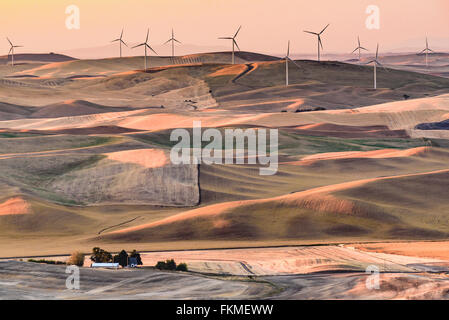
[267, 24]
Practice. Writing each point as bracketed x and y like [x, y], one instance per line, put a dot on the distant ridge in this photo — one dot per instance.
[68, 108]
[410, 58]
[225, 57]
[11, 111]
[72, 108]
[37, 57]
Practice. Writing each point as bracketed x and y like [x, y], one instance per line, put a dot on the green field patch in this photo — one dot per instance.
[50, 143]
[296, 144]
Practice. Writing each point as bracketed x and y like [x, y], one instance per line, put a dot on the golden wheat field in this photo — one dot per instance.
[85, 161]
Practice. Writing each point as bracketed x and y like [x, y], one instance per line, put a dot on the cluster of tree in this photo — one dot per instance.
[135, 254]
[102, 256]
[123, 258]
[77, 259]
[171, 265]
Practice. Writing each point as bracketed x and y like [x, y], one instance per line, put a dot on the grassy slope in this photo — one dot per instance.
[75, 171]
[328, 84]
[218, 183]
[50, 143]
[318, 217]
[379, 212]
[51, 222]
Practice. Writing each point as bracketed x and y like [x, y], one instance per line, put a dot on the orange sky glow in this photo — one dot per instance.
[267, 24]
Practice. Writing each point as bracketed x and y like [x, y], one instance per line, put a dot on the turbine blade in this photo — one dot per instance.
[288, 49]
[167, 41]
[177, 41]
[299, 67]
[377, 51]
[124, 43]
[311, 32]
[358, 39]
[421, 52]
[363, 48]
[148, 34]
[226, 38]
[236, 44]
[9, 41]
[380, 64]
[321, 43]
[355, 50]
[151, 49]
[115, 40]
[237, 32]
[121, 35]
[139, 45]
[324, 28]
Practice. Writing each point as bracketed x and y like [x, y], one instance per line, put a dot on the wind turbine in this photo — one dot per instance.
[320, 44]
[234, 43]
[359, 47]
[120, 40]
[376, 63]
[172, 40]
[11, 51]
[287, 58]
[427, 50]
[145, 45]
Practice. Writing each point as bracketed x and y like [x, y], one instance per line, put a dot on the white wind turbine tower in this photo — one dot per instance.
[145, 45]
[120, 40]
[359, 48]
[11, 51]
[234, 43]
[320, 44]
[426, 51]
[287, 58]
[172, 40]
[376, 63]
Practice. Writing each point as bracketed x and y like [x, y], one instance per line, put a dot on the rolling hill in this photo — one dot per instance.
[437, 63]
[36, 58]
[72, 108]
[251, 87]
[85, 144]
[365, 209]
